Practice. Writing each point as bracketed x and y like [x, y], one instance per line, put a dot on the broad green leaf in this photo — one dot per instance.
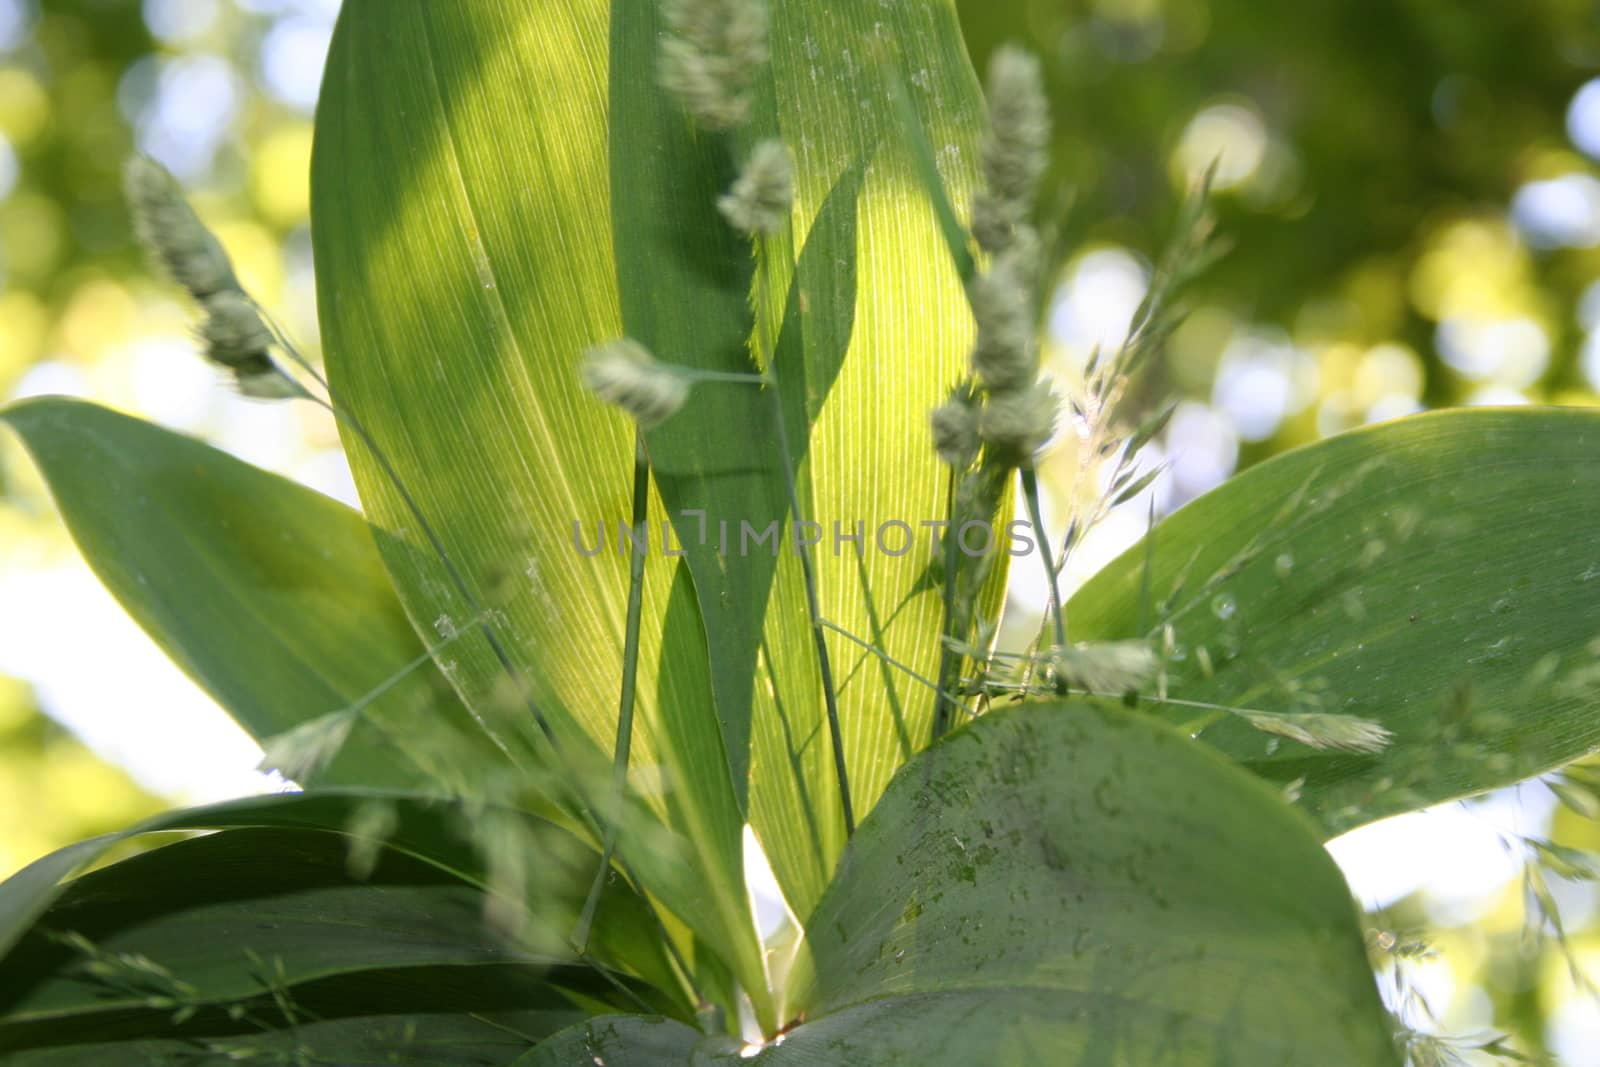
[480, 1019]
[210, 910]
[1435, 575]
[239, 940]
[463, 189]
[424, 830]
[859, 361]
[905, 332]
[464, 261]
[1068, 882]
[25, 895]
[267, 594]
[619, 1041]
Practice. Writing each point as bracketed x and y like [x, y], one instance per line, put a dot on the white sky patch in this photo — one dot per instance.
[50, 378]
[1462, 854]
[1203, 449]
[181, 108]
[766, 898]
[1589, 360]
[177, 21]
[1497, 396]
[97, 673]
[9, 168]
[1573, 1030]
[1443, 850]
[16, 22]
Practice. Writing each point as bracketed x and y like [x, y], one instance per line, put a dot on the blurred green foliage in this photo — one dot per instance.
[1385, 142]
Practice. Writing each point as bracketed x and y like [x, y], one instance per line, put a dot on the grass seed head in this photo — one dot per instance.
[625, 374]
[760, 199]
[172, 233]
[1005, 355]
[1109, 667]
[1020, 421]
[1014, 150]
[955, 429]
[710, 56]
[1345, 733]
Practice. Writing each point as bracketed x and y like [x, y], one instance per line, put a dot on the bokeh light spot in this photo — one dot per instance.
[1095, 305]
[1583, 119]
[292, 57]
[1230, 135]
[1559, 212]
[1263, 379]
[176, 21]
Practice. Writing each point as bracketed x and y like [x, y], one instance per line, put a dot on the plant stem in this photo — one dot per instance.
[823, 664]
[630, 671]
[1030, 490]
[939, 694]
[947, 656]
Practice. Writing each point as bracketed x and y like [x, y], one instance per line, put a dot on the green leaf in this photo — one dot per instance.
[424, 830]
[906, 332]
[251, 938]
[1433, 575]
[857, 364]
[25, 895]
[464, 257]
[267, 594]
[619, 1041]
[201, 909]
[1066, 882]
[472, 1017]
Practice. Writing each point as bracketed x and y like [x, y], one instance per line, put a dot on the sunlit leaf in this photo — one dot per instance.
[464, 261]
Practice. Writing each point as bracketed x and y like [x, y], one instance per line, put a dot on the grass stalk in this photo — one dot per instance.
[625, 705]
[949, 659]
[1030, 492]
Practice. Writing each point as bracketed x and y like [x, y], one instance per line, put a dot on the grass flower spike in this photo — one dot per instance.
[711, 55]
[1015, 151]
[1107, 668]
[1020, 422]
[1005, 356]
[760, 199]
[624, 373]
[955, 429]
[303, 752]
[236, 337]
[177, 240]
[1345, 733]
